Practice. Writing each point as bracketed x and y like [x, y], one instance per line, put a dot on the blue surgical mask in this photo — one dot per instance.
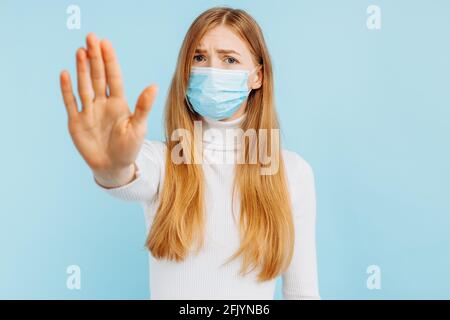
[217, 93]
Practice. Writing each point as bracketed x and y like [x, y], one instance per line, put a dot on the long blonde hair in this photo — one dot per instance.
[266, 224]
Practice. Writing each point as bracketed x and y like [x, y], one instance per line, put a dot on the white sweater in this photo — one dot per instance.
[202, 276]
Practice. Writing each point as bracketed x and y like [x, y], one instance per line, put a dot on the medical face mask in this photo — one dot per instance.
[217, 93]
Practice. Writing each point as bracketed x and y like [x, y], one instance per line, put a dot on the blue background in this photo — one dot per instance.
[368, 109]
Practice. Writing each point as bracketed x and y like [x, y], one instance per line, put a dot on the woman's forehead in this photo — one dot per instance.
[222, 38]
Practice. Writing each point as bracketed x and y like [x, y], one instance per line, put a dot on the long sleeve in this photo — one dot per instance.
[300, 280]
[149, 164]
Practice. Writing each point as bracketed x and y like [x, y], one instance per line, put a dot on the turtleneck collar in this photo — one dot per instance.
[222, 135]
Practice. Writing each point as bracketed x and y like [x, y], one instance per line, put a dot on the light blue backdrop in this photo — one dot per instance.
[368, 109]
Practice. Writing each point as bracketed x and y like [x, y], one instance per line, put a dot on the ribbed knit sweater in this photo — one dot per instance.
[203, 276]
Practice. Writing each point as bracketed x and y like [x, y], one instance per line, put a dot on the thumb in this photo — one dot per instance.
[144, 104]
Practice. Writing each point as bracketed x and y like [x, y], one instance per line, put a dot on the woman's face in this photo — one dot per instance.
[221, 48]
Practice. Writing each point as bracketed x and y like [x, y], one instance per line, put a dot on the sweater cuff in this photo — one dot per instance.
[125, 191]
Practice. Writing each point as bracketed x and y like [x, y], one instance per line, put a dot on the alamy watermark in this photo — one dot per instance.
[374, 279]
[374, 19]
[73, 21]
[73, 281]
[258, 151]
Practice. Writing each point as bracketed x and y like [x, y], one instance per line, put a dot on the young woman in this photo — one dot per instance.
[216, 229]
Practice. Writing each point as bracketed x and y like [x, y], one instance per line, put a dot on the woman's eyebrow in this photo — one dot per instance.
[200, 51]
[221, 51]
[224, 51]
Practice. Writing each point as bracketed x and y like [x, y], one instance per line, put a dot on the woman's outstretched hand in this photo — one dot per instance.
[105, 132]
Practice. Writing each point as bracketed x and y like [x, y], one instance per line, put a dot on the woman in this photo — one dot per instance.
[217, 229]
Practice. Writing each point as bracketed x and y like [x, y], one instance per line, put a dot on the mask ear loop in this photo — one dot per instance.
[189, 105]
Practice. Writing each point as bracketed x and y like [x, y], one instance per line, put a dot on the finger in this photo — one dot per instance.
[69, 99]
[84, 79]
[112, 68]
[96, 64]
[144, 104]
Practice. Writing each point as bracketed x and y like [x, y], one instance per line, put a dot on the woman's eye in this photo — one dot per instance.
[199, 58]
[231, 60]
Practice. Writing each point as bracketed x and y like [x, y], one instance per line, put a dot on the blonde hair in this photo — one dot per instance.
[266, 226]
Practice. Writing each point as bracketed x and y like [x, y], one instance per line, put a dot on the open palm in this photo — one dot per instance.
[105, 132]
